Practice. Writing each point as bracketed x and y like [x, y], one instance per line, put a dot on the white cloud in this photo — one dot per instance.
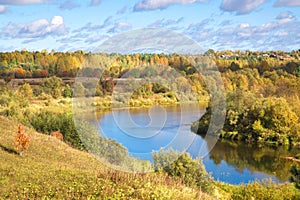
[241, 6]
[21, 2]
[2, 9]
[244, 25]
[57, 21]
[161, 4]
[96, 38]
[68, 5]
[162, 23]
[95, 2]
[36, 29]
[119, 27]
[282, 34]
[291, 3]
[5, 3]
[122, 10]
[283, 30]
[285, 17]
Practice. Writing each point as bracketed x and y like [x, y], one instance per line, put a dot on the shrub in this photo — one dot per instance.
[26, 90]
[57, 135]
[67, 92]
[181, 165]
[47, 122]
[295, 178]
[264, 190]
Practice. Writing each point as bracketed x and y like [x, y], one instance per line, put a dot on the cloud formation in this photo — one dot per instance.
[21, 2]
[95, 2]
[290, 3]
[162, 23]
[95, 38]
[89, 27]
[36, 29]
[161, 4]
[284, 29]
[2, 9]
[122, 10]
[68, 5]
[5, 3]
[241, 6]
[120, 27]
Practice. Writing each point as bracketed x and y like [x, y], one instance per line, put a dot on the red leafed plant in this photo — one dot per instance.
[22, 141]
[57, 135]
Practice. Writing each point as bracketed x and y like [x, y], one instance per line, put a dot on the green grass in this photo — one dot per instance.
[51, 169]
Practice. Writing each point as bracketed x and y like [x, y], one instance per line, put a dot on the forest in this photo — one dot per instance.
[262, 88]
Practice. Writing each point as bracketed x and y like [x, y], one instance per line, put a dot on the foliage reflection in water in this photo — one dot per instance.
[229, 162]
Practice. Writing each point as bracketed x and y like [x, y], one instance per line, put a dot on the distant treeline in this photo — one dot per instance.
[25, 64]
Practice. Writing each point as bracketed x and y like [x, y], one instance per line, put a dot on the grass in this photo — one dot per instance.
[51, 169]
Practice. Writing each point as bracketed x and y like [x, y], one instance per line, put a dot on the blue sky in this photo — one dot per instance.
[69, 25]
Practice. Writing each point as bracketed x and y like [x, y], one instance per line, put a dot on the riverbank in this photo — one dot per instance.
[107, 103]
[256, 120]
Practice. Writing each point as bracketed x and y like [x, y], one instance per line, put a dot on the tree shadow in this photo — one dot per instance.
[8, 150]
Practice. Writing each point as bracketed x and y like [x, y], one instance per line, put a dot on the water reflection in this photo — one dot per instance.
[251, 162]
[228, 162]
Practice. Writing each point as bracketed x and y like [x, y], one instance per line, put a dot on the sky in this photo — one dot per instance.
[70, 25]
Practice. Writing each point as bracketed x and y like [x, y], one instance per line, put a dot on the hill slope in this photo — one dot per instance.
[51, 168]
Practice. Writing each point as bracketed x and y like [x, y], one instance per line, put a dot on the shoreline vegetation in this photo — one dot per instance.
[263, 107]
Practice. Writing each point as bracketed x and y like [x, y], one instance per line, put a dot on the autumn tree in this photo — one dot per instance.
[26, 90]
[22, 140]
[20, 73]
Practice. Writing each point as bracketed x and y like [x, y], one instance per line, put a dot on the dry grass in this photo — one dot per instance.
[52, 169]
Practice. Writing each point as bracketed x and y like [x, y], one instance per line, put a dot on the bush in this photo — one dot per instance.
[47, 122]
[26, 90]
[181, 165]
[264, 190]
[295, 178]
[67, 92]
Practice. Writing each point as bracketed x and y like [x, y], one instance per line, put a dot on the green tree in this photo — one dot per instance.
[52, 86]
[67, 92]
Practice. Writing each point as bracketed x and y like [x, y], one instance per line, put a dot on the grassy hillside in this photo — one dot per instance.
[52, 169]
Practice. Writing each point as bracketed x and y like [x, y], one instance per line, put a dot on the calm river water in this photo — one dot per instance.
[143, 131]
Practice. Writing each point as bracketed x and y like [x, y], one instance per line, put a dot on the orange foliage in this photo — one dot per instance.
[22, 141]
[20, 73]
[57, 135]
[40, 73]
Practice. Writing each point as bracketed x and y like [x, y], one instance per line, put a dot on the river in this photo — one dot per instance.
[143, 131]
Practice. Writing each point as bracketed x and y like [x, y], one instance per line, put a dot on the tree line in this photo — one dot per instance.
[25, 64]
